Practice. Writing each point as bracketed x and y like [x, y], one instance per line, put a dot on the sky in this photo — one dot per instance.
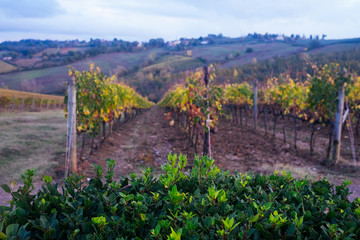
[141, 20]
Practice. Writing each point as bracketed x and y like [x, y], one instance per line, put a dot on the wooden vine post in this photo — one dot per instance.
[338, 126]
[71, 131]
[207, 145]
[255, 103]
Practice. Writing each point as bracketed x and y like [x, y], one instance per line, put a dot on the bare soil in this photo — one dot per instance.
[143, 141]
[146, 140]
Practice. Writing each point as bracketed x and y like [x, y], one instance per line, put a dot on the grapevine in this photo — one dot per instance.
[100, 100]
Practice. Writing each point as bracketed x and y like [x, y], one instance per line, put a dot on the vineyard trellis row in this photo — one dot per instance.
[196, 106]
[102, 104]
[313, 101]
[12, 100]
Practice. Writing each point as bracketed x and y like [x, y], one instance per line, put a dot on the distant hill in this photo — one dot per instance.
[53, 79]
[5, 67]
[152, 70]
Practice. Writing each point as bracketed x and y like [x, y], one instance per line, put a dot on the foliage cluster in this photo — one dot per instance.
[194, 103]
[313, 99]
[202, 203]
[101, 99]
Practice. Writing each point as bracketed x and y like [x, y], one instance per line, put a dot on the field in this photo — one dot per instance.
[5, 67]
[53, 79]
[22, 94]
[229, 52]
[334, 48]
[31, 140]
[176, 63]
[261, 52]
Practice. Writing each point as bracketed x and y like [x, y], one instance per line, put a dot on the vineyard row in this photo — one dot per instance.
[11, 100]
[314, 101]
[102, 104]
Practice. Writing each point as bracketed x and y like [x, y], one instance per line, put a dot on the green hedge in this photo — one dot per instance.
[204, 203]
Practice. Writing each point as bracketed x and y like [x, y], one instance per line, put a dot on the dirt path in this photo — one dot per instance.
[147, 139]
[143, 141]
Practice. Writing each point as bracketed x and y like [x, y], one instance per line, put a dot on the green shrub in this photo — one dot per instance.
[249, 50]
[204, 203]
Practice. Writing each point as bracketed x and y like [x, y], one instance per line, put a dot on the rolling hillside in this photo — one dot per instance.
[136, 67]
[53, 79]
[5, 67]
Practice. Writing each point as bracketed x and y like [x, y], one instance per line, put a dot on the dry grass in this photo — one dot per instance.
[5, 67]
[31, 140]
[21, 94]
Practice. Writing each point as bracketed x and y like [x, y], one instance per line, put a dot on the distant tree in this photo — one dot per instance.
[159, 42]
[314, 44]
[249, 50]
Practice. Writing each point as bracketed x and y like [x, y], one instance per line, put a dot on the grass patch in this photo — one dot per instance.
[5, 67]
[9, 153]
[46, 128]
[31, 140]
[4, 123]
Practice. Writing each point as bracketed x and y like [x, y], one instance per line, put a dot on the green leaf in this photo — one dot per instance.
[12, 229]
[6, 188]
[220, 232]
[175, 235]
[3, 236]
[157, 229]
[43, 221]
[291, 229]
[47, 179]
[49, 234]
[20, 212]
[268, 205]
[254, 218]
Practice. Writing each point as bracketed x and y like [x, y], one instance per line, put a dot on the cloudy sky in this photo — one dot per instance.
[171, 19]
